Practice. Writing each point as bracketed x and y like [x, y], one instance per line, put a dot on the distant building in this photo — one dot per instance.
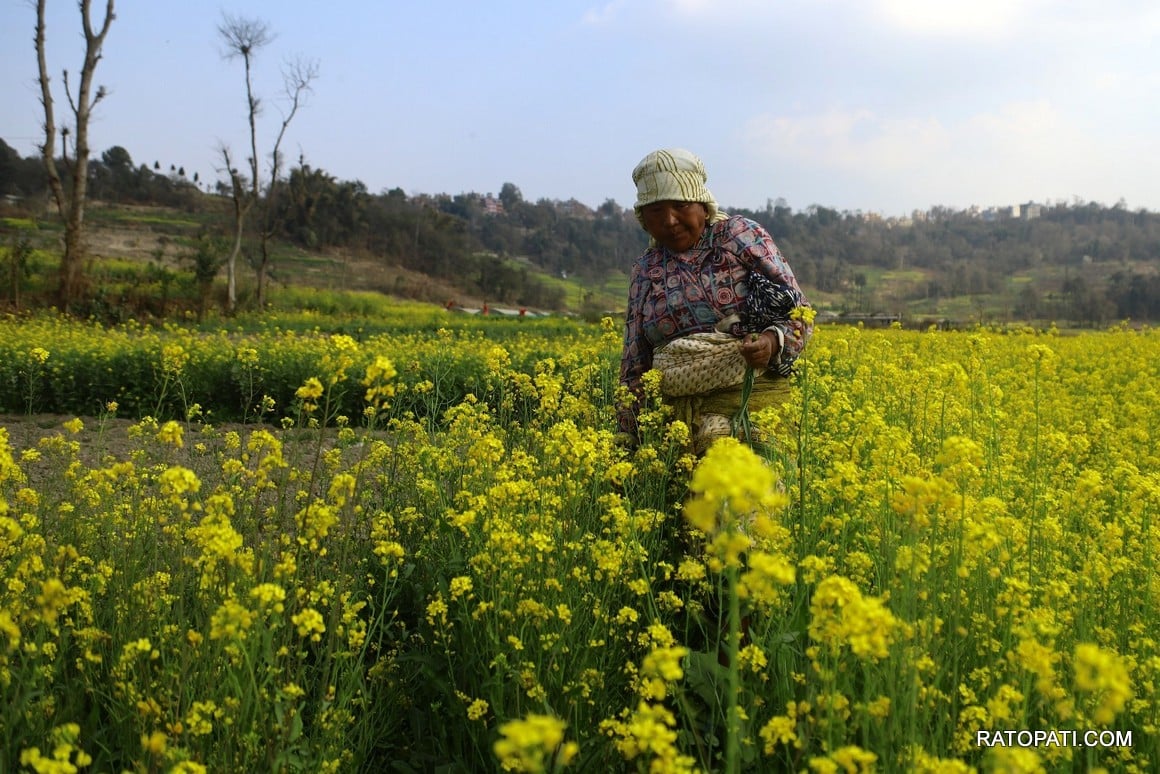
[491, 205]
[1027, 211]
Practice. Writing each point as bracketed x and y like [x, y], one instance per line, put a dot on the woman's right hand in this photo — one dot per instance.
[759, 349]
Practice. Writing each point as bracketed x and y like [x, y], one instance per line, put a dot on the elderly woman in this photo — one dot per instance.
[711, 297]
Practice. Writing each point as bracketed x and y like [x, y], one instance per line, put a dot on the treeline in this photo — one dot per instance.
[1085, 263]
[112, 177]
[502, 258]
[498, 247]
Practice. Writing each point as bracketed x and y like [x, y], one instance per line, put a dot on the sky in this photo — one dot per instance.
[884, 106]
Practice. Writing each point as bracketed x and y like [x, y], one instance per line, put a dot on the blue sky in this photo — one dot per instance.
[873, 105]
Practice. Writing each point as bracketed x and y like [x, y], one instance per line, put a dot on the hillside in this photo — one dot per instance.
[1072, 264]
[147, 234]
[144, 246]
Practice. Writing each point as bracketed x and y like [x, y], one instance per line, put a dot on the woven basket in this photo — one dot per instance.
[699, 363]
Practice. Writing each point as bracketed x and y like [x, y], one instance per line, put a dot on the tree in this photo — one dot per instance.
[610, 209]
[116, 172]
[117, 159]
[297, 78]
[70, 204]
[243, 38]
[510, 196]
[16, 264]
[205, 262]
[9, 161]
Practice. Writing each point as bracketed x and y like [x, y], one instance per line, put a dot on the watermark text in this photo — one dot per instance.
[1067, 738]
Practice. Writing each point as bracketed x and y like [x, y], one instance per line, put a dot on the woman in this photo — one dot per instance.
[693, 304]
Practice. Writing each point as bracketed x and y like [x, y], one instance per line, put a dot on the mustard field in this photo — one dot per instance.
[423, 551]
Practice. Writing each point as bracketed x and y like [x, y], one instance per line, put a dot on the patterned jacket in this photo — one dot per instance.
[674, 294]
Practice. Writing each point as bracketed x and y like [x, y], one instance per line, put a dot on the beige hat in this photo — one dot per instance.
[673, 174]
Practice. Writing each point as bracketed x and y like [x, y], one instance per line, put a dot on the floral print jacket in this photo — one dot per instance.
[675, 294]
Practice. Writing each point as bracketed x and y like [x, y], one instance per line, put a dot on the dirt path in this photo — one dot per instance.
[26, 430]
[101, 439]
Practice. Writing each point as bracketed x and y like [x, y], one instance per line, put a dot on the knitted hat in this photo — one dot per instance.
[675, 175]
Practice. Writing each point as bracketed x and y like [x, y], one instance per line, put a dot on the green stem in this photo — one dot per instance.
[741, 424]
[1032, 535]
[732, 718]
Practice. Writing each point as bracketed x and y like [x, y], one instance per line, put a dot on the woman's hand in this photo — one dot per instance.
[758, 349]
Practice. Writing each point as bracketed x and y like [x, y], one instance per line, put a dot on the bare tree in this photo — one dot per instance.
[70, 203]
[296, 77]
[243, 38]
[243, 200]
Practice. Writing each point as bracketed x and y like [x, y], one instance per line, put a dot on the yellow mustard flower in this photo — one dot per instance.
[310, 390]
[533, 744]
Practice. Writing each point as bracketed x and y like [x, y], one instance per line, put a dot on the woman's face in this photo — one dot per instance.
[675, 225]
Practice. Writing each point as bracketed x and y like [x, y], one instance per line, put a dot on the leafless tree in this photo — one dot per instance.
[243, 200]
[70, 203]
[243, 38]
[297, 77]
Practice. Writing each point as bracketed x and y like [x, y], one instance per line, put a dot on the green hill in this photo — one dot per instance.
[1077, 263]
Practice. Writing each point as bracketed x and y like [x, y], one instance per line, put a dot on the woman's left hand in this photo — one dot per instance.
[759, 349]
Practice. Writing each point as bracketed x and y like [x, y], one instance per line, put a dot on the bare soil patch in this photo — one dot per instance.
[26, 430]
[101, 440]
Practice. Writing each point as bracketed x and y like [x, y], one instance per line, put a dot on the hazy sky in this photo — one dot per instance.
[874, 105]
